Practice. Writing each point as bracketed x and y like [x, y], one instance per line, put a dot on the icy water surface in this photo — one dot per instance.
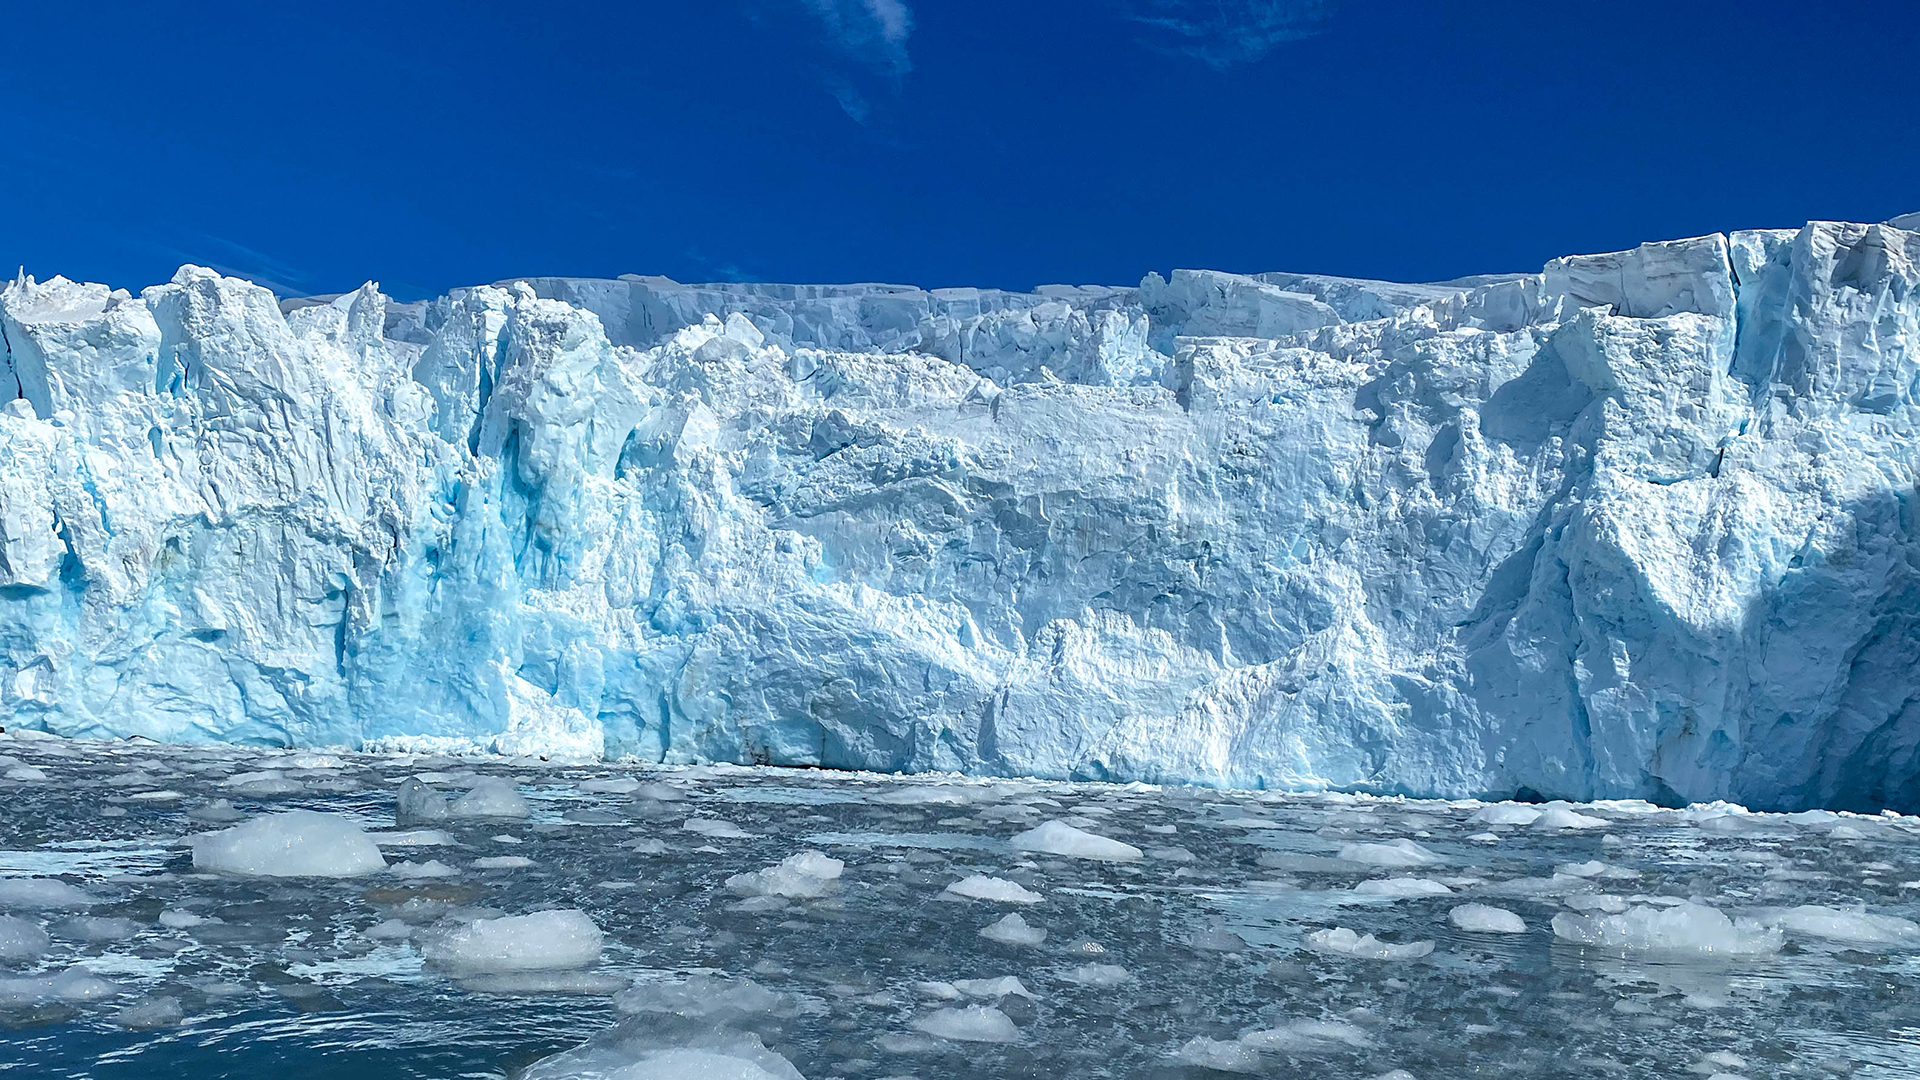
[1209, 933]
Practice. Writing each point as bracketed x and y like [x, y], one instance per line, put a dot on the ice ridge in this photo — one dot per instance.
[1639, 525]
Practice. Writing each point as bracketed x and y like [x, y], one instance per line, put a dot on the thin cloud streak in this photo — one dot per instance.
[1225, 34]
[870, 38]
[871, 32]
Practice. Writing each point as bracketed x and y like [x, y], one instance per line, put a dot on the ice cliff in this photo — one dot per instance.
[1639, 525]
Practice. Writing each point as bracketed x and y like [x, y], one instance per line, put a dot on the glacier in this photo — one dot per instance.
[1640, 525]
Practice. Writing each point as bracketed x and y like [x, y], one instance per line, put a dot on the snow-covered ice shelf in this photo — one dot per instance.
[170, 911]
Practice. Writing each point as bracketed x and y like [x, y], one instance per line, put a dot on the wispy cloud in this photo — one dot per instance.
[859, 45]
[1225, 34]
[714, 269]
[872, 32]
[234, 259]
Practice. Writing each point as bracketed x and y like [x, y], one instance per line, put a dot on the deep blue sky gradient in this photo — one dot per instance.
[998, 142]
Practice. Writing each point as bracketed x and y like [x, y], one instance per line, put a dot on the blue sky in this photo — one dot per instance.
[432, 143]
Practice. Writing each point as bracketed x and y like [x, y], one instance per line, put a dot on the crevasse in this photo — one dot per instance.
[1640, 525]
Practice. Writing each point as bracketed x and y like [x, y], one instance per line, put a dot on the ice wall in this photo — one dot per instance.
[1639, 525]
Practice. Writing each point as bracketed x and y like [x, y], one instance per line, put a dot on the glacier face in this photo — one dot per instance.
[1640, 525]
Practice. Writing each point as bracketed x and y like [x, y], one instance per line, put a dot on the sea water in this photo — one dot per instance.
[221, 912]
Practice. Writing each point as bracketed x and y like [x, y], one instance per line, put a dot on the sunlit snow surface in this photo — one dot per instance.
[760, 923]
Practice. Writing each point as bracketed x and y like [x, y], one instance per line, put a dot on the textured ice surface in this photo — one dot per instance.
[536, 942]
[1683, 928]
[1255, 953]
[1013, 930]
[1486, 919]
[808, 875]
[21, 939]
[298, 843]
[1640, 525]
[1060, 838]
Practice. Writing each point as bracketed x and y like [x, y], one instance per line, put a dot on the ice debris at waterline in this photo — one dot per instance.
[822, 924]
[1639, 525]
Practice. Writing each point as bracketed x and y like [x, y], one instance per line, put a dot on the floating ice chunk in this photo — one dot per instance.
[1217, 939]
[415, 802]
[73, 984]
[938, 991]
[1559, 817]
[502, 862]
[1857, 927]
[1341, 941]
[390, 930]
[1859, 831]
[1686, 928]
[21, 939]
[982, 887]
[715, 828]
[1401, 888]
[265, 783]
[492, 797]
[432, 868]
[1394, 853]
[1004, 986]
[95, 929]
[805, 876]
[1013, 930]
[1582, 870]
[1219, 1055]
[705, 996]
[975, 1023]
[1308, 1037]
[619, 785]
[178, 919]
[1590, 902]
[643, 1054]
[1485, 919]
[541, 941]
[1395, 1074]
[646, 845]
[1505, 814]
[1535, 887]
[217, 811]
[657, 791]
[298, 843]
[1171, 854]
[26, 774]
[42, 894]
[414, 838]
[1060, 838]
[160, 796]
[151, 1014]
[1097, 975]
[925, 795]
